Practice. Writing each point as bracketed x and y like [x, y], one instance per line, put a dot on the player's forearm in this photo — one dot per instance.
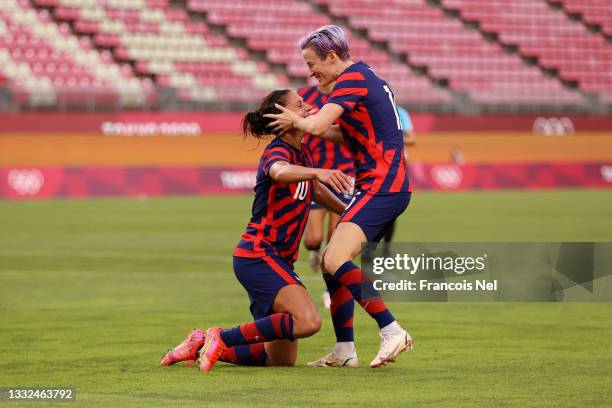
[289, 173]
[320, 123]
[325, 198]
[312, 125]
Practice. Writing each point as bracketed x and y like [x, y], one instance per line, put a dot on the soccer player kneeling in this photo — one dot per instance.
[263, 259]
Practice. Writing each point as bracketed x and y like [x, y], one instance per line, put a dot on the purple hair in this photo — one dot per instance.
[325, 39]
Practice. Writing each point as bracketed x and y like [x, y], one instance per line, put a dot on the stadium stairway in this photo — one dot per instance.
[545, 38]
[596, 15]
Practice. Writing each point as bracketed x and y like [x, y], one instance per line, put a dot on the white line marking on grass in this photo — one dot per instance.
[61, 253]
[130, 255]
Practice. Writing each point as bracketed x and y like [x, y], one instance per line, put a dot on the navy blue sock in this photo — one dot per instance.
[273, 327]
[342, 309]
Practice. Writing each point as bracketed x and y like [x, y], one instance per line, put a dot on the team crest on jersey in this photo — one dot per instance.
[300, 190]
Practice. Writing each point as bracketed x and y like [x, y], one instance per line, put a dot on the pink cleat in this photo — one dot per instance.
[186, 351]
[213, 349]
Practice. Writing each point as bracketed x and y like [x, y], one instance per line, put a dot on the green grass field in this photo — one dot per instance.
[93, 292]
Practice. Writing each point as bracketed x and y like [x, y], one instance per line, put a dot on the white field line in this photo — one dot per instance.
[130, 255]
[62, 253]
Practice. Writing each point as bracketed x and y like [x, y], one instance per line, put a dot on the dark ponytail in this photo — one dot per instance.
[254, 123]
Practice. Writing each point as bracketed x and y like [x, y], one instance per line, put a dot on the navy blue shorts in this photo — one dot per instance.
[263, 278]
[374, 212]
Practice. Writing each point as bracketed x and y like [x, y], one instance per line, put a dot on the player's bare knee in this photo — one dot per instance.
[315, 323]
[313, 243]
[312, 325]
[323, 269]
[332, 261]
[308, 324]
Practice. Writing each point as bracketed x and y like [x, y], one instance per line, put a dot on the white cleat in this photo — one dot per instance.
[335, 359]
[390, 347]
[314, 260]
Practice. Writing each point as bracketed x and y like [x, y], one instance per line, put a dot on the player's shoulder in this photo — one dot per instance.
[358, 74]
[277, 145]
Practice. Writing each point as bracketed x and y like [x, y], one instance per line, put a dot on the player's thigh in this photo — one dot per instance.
[345, 244]
[281, 352]
[313, 236]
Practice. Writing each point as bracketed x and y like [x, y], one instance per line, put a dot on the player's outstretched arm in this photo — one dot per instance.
[285, 173]
[316, 125]
[327, 199]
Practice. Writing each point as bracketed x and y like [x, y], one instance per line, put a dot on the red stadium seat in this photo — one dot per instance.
[99, 41]
[542, 32]
[277, 27]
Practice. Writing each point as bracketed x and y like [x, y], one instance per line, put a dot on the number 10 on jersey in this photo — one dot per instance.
[301, 191]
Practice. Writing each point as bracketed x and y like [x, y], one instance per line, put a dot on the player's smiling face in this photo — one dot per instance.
[295, 103]
[323, 70]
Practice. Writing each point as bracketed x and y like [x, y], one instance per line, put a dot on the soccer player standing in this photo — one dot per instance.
[263, 259]
[370, 126]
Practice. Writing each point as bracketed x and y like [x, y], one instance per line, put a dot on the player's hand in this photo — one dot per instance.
[282, 121]
[339, 181]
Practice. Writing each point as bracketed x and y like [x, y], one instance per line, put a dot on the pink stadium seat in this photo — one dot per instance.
[156, 43]
[54, 68]
[548, 34]
[592, 11]
[160, 39]
[450, 51]
[276, 28]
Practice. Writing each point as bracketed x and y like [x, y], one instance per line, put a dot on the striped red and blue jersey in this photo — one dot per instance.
[372, 130]
[280, 211]
[325, 154]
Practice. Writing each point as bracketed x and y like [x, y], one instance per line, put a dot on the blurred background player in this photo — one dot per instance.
[263, 259]
[407, 127]
[326, 155]
[364, 106]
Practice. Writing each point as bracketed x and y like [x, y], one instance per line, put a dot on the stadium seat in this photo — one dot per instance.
[539, 31]
[452, 52]
[51, 67]
[592, 11]
[102, 53]
[277, 27]
[159, 38]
